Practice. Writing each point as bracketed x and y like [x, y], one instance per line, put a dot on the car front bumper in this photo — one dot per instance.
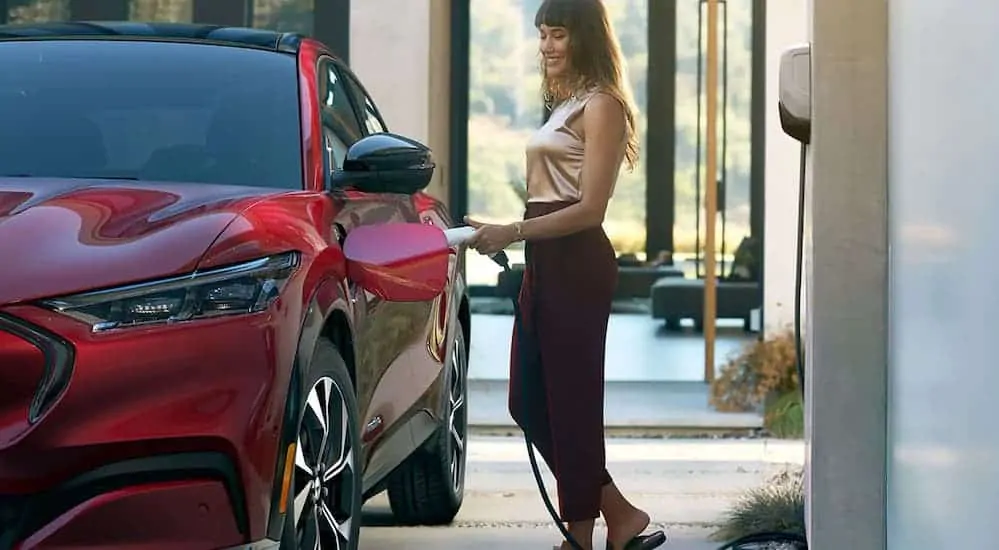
[174, 429]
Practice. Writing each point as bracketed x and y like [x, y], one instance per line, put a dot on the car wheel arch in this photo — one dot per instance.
[331, 323]
[465, 320]
[337, 329]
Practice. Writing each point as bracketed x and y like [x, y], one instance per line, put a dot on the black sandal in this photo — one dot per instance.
[644, 542]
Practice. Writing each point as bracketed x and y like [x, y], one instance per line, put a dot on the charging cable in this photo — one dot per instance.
[799, 355]
[794, 540]
[501, 259]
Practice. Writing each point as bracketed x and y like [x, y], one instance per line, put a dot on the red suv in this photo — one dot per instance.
[228, 311]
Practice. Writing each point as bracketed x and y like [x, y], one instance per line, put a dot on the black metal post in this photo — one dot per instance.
[723, 186]
[660, 142]
[460, 45]
[697, 149]
[331, 26]
[232, 13]
[98, 10]
[757, 170]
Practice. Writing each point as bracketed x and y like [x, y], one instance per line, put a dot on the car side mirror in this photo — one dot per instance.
[398, 262]
[386, 163]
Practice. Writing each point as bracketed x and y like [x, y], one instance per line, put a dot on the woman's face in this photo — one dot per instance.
[554, 47]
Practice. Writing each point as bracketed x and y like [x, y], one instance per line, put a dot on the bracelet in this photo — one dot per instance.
[518, 227]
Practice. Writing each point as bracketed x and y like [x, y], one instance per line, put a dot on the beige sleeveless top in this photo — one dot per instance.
[555, 154]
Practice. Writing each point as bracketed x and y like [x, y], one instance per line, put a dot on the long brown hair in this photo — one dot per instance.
[595, 58]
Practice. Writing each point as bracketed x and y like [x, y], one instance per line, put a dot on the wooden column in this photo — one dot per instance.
[711, 193]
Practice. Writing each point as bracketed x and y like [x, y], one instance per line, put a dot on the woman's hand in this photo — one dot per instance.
[489, 238]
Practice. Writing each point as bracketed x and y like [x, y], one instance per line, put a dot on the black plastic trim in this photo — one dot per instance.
[166, 32]
[59, 356]
[36, 511]
[311, 329]
[290, 43]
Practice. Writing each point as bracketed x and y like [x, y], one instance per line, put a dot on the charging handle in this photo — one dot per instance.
[795, 93]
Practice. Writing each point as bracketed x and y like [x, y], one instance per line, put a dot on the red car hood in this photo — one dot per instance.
[59, 236]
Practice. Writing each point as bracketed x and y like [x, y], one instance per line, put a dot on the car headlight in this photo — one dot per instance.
[248, 287]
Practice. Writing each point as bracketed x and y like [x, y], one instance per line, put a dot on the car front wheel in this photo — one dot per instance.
[324, 509]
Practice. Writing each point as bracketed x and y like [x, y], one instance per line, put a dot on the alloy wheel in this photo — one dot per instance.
[457, 415]
[324, 471]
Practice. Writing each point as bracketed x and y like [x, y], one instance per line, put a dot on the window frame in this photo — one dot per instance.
[362, 102]
[324, 63]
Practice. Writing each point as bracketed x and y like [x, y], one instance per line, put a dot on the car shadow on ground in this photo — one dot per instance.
[378, 515]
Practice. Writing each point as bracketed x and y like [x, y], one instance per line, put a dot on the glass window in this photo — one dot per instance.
[37, 11]
[372, 119]
[284, 15]
[505, 108]
[735, 26]
[168, 11]
[150, 111]
[340, 124]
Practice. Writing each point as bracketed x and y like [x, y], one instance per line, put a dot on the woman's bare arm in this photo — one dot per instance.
[604, 131]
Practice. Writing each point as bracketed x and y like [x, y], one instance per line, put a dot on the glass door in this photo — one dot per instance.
[733, 222]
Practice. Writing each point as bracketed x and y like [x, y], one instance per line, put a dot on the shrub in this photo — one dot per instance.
[777, 507]
[762, 371]
[784, 416]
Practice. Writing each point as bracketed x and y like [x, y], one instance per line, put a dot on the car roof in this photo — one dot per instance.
[154, 32]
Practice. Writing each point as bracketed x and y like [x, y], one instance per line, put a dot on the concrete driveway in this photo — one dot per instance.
[685, 484]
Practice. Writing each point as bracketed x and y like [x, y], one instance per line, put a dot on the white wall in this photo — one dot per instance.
[787, 25]
[943, 377]
[399, 48]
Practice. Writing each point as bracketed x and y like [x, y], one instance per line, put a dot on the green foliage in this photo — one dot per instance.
[784, 416]
[778, 506]
[505, 108]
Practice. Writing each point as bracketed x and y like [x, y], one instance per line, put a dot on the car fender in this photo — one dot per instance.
[329, 298]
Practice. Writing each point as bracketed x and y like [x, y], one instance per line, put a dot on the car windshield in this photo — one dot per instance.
[158, 111]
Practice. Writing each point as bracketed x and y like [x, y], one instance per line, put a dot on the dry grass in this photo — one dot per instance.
[763, 370]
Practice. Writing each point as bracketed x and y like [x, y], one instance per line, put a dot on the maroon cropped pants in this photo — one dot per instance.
[557, 363]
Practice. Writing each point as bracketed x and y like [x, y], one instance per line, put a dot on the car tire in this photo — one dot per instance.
[429, 487]
[327, 394]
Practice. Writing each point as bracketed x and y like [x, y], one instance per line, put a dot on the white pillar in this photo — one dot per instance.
[787, 25]
[847, 273]
[401, 51]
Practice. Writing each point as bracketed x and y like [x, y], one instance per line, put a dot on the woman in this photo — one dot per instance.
[572, 166]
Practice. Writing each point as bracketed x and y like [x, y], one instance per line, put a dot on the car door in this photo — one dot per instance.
[392, 364]
[429, 211]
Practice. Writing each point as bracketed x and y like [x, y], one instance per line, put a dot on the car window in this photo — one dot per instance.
[198, 114]
[372, 120]
[340, 125]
